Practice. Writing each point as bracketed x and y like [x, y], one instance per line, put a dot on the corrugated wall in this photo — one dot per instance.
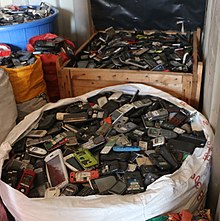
[74, 21]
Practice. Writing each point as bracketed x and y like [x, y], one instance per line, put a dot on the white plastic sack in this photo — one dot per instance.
[8, 109]
[30, 106]
[184, 189]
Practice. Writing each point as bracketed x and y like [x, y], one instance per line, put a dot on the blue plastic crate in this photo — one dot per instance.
[18, 35]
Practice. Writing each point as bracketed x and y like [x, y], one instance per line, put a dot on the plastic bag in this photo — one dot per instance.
[148, 14]
[27, 82]
[184, 189]
[49, 62]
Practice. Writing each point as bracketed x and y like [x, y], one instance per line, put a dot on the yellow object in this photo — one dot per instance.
[27, 82]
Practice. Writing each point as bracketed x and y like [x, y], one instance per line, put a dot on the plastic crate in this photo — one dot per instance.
[17, 36]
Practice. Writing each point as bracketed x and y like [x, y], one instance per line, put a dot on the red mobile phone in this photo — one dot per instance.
[26, 181]
[83, 176]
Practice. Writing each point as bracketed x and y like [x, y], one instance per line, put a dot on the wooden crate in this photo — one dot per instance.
[186, 86]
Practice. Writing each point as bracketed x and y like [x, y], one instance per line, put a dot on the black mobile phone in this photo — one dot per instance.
[47, 122]
[119, 188]
[134, 182]
[158, 160]
[71, 162]
[104, 184]
[20, 146]
[181, 146]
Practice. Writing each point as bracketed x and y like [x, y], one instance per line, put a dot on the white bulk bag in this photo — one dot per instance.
[184, 189]
[8, 109]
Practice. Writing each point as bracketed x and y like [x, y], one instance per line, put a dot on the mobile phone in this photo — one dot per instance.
[143, 160]
[47, 122]
[142, 103]
[85, 158]
[158, 160]
[76, 117]
[104, 129]
[71, 162]
[143, 144]
[181, 146]
[156, 132]
[147, 123]
[95, 142]
[105, 183]
[83, 176]
[109, 167]
[169, 106]
[95, 113]
[116, 95]
[37, 152]
[55, 169]
[20, 146]
[178, 119]
[37, 133]
[72, 141]
[119, 188]
[26, 181]
[70, 190]
[179, 130]
[122, 140]
[157, 114]
[121, 156]
[32, 142]
[118, 113]
[165, 153]
[158, 141]
[69, 127]
[60, 116]
[52, 192]
[134, 182]
[125, 108]
[77, 107]
[102, 101]
[198, 139]
[107, 148]
[55, 129]
[124, 128]
[55, 140]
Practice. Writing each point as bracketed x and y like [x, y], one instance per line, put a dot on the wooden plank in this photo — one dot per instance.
[199, 83]
[127, 76]
[65, 84]
[198, 33]
[195, 67]
[88, 85]
[187, 89]
[81, 86]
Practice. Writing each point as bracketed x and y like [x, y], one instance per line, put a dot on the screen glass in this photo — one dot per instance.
[55, 171]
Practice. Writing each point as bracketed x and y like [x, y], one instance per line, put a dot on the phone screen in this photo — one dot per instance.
[72, 161]
[55, 171]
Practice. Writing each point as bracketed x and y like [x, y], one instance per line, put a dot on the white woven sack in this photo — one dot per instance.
[184, 189]
[8, 109]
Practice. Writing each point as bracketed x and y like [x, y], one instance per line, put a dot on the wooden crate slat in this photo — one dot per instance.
[127, 76]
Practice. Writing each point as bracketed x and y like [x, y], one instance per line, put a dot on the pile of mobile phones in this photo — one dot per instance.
[18, 59]
[115, 143]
